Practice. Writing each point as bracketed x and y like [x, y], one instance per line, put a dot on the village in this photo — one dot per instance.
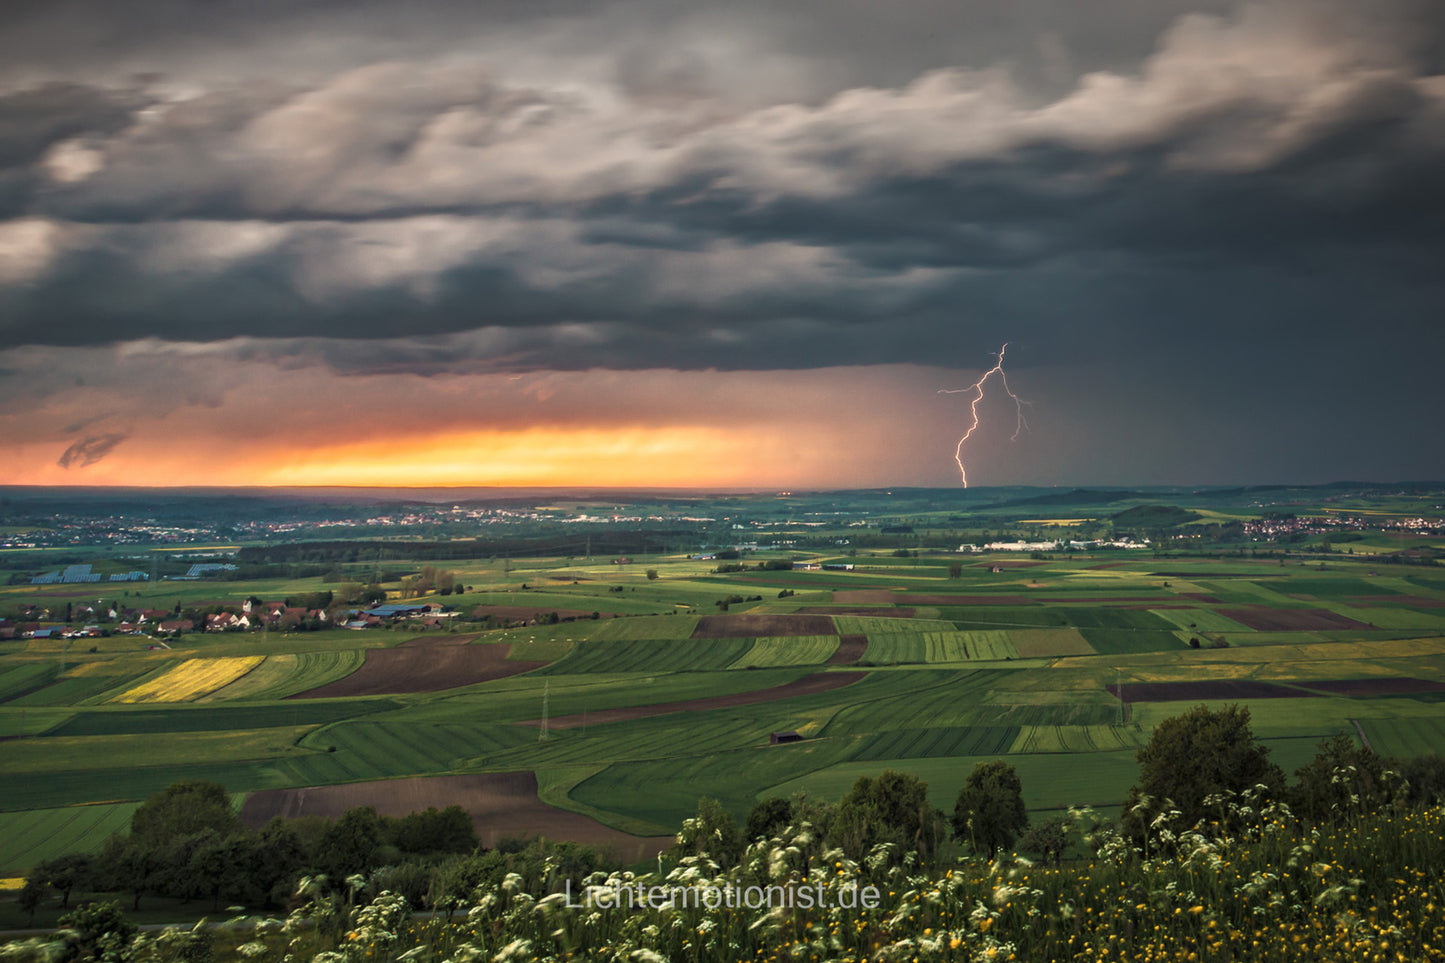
[110, 618]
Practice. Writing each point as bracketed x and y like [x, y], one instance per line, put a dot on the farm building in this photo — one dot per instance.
[401, 610]
[784, 737]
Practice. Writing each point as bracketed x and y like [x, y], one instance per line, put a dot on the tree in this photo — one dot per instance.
[183, 809]
[222, 865]
[1343, 777]
[1424, 780]
[767, 817]
[31, 895]
[1194, 756]
[990, 810]
[447, 830]
[893, 808]
[350, 844]
[67, 873]
[280, 855]
[712, 832]
[955, 570]
[1048, 838]
[129, 866]
[652, 575]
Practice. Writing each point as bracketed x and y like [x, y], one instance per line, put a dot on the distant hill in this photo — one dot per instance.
[1154, 517]
[1078, 496]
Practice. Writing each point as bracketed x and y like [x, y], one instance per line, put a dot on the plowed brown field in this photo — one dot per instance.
[1374, 687]
[850, 650]
[761, 625]
[864, 596]
[877, 612]
[963, 600]
[428, 666]
[1262, 618]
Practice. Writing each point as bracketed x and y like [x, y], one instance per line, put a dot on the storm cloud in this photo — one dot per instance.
[89, 450]
[562, 186]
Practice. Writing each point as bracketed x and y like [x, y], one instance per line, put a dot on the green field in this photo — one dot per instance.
[33, 835]
[1049, 781]
[652, 655]
[286, 674]
[787, 650]
[930, 694]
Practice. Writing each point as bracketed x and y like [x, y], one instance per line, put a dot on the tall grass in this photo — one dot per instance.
[1253, 883]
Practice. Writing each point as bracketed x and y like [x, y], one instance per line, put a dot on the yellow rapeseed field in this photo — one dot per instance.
[191, 679]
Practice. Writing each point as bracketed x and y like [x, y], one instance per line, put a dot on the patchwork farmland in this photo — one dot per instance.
[536, 716]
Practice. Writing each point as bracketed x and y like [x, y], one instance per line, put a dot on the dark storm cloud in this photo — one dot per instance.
[740, 186]
[802, 49]
[32, 120]
[89, 450]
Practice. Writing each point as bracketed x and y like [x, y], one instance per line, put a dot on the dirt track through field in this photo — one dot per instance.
[423, 665]
[807, 685]
[761, 625]
[501, 805]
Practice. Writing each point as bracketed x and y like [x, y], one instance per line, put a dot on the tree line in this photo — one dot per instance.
[187, 842]
[638, 542]
[1194, 767]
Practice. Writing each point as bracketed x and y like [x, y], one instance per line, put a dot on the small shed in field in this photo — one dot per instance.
[779, 738]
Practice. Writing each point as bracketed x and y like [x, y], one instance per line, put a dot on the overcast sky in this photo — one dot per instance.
[738, 243]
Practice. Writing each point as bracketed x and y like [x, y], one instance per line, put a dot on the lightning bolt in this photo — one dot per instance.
[977, 388]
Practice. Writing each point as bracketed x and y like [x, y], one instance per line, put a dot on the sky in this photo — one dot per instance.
[743, 244]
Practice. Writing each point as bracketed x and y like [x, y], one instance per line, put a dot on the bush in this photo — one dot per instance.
[98, 931]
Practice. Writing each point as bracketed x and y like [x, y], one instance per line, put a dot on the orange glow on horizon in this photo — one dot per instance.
[635, 456]
[253, 424]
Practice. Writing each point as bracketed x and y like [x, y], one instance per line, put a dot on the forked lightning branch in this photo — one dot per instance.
[977, 389]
